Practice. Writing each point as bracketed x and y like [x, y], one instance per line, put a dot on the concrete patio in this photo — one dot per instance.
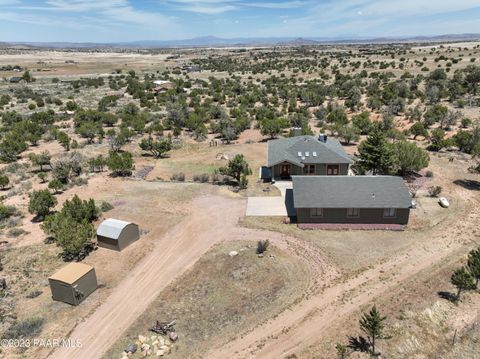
[273, 206]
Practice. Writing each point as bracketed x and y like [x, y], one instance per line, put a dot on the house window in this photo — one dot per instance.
[353, 212]
[390, 212]
[309, 169]
[316, 212]
[333, 170]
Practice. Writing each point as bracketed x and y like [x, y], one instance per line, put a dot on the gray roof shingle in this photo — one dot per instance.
[287, 149]
[350, 192]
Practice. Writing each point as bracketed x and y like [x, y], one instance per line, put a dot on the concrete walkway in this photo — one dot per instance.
[273, 206]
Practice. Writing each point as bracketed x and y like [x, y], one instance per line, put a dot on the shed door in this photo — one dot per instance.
[62, 292]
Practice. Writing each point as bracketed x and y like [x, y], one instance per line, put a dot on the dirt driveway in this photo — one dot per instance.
[304, 325]
[210, 220]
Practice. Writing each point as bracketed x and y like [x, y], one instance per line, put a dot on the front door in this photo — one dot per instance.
[309, 170]
[285, 171]
[333, 170]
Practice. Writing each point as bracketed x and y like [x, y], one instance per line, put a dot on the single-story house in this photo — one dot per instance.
[307, 155]
[351, 199]
[116, 234]
[162, 85]
[73, 283]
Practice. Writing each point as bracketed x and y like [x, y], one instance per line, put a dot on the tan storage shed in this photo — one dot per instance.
[73, 283]
[117, 235]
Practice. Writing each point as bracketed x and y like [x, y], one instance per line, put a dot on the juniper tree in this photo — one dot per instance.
[156, 147]
[463, 280]
[473, 265]
[41, 202]
[236, 168]
[409, 157]
[4, 181]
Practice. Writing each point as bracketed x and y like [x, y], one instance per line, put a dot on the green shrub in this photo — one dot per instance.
[25, 329]
[435, 191]
[262, 246]
[178, 177]
[203, 178]
[15, 232]
[106, 206]
[41, 202]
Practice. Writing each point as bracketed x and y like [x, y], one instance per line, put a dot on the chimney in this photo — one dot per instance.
[322, 137]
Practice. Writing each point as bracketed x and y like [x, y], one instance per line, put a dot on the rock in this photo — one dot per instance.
[131, 348]
[260, 255]
[165, 349]
[145, 347]
[173, 336]
[142, 339]
[233, 253]
[153, 338]
[160, 353]
[161, 341]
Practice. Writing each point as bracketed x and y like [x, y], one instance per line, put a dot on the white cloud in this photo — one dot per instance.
[278, 5]
[220, 6]
[209, 10]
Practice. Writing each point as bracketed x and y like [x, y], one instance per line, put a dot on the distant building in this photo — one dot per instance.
[191, 68]
[162, 85]
[116, 234]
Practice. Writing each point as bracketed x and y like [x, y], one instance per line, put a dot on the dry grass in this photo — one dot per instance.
[221, 296]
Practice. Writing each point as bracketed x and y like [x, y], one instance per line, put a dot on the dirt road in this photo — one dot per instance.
[303, 325]
[210, 221]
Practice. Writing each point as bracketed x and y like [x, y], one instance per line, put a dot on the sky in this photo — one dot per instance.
[133, 20]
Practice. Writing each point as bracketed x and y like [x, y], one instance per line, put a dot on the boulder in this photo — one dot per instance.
[131, 348]
[233, 253]
[160, 353]
[142, 339]
[173, 336]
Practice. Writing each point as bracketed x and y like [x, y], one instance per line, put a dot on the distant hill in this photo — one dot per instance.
[213, 41]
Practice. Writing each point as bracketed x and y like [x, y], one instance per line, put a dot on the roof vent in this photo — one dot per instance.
[307, 154]
[299, 154]
[373, 195]
[322, 137]
[314, 154]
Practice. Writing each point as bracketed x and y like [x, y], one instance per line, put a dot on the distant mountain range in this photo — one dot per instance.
[212, 41]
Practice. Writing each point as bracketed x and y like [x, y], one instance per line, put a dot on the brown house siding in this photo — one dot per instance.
[320, 169]
[367, 215]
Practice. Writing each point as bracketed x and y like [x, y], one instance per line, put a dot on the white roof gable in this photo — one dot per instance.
[111, 228]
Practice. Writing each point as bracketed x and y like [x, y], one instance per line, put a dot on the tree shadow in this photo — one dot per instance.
[38, 218]
[451, 297]
[471, 185]
[359, 344]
